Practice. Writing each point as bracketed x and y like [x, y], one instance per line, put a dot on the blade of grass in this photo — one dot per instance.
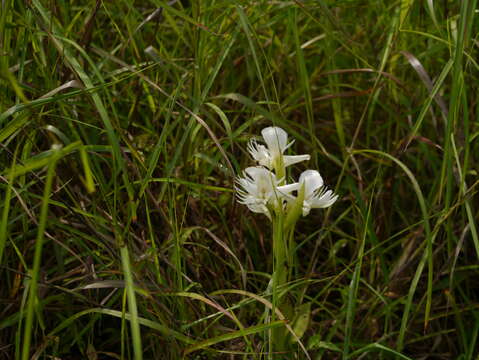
[118, 314]
[89, 183]
[249, 32]
[35, 271]
[427, 103]
[55, 36]
[6, 207]
[427, 257]
[269, 306]
[353, 288]
[463, 37]
[43, 159]
[467, 203]
[304, 77]
[233, 335]
[378, 347]
[132, 306]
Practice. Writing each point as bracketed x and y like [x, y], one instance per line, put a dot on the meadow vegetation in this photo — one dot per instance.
[124, 124]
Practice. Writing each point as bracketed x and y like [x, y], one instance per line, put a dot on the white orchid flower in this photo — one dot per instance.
[271, 155]
[258, 190]
[316, 195]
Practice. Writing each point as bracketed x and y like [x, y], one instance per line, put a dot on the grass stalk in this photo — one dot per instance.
[37, 258]
[132, 304]
[353, 290]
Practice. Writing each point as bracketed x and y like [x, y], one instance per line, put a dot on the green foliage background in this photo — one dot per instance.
[126, 242]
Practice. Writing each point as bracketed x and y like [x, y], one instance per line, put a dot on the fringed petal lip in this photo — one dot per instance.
[316, 195]
[257, 189]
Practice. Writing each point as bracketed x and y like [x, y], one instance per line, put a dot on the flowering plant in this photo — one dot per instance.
[263, 189]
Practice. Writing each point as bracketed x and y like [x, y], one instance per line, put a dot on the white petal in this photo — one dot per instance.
[257, 189]
[286, 189]
[247, 185]
[293, 159]
[306, 208]
[256, 172]
[276, 139]
[259, 153]
[312, 181]
[258, 208]
[325, 200]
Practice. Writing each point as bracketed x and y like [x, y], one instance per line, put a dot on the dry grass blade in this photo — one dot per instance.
[425, 78]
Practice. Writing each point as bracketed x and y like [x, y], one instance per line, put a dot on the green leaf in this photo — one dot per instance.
[315, 343]
[233, 335]
[301, 320]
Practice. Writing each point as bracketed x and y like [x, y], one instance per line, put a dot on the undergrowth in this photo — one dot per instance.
[124, 123]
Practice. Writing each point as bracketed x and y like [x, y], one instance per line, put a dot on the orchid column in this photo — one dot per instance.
[264, 190]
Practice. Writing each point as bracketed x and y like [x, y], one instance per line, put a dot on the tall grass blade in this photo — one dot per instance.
[37, 258]
[132, 306]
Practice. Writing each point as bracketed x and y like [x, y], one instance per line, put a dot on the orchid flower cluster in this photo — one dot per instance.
[263, 188]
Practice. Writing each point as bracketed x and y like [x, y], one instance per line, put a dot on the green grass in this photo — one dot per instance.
[127, 243]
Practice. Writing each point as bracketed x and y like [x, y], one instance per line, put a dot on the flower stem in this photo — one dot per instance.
[280, 278]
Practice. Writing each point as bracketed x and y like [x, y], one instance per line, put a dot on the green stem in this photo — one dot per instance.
[279, 252]
[280, 278]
